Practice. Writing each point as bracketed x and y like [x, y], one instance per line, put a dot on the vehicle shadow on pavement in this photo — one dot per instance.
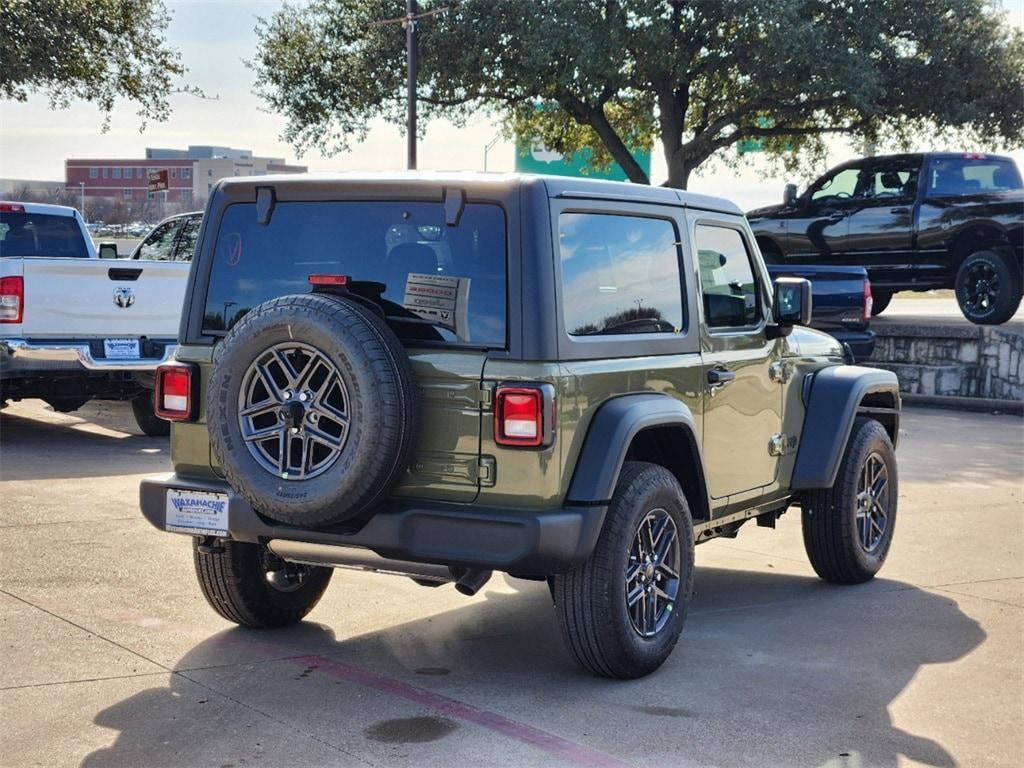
[101, 442]
[771, 670]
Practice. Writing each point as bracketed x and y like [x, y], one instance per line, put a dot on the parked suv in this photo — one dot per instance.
[567, 380]
[916, 222]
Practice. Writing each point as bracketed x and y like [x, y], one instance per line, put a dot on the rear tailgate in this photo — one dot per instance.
[87, 298]
[837, 294]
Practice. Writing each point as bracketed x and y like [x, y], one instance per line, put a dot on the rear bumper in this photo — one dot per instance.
[23, 358]
[522, 542]
[861, 343]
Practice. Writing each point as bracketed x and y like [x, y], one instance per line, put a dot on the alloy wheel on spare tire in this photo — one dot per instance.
[311, 408]
[988, 287]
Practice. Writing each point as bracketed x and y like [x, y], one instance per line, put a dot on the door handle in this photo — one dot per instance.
[718, 377]
[836, 217]
[903, 211]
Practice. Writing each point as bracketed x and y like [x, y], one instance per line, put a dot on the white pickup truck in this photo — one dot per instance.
[76, 327]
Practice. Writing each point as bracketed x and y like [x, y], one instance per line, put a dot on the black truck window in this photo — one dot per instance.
[434, 282]
[971, 175]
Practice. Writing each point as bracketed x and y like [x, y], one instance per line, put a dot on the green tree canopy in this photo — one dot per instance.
[698, 76]
[96, 50]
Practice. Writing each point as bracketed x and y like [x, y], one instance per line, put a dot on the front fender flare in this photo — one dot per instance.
[835, 395]
[608, 438]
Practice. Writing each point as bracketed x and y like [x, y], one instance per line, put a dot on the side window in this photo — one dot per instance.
[838, 186]
[728, 286]
[160, 243]
[969, 175]
[187, 239]
[620, 274]
[889, 182]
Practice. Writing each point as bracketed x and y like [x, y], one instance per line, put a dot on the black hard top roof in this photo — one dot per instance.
[292, 186]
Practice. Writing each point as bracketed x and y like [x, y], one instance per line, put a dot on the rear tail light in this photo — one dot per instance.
[11, 208]
[173, 395]
[12, 299]
[523, 415]
[868, 301]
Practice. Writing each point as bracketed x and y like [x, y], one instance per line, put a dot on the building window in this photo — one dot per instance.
[105, 169]
[126, 192]
[93, 173]
[186, 173]
[115, 172]
[174, 173]
[127, 173]
[140, 173]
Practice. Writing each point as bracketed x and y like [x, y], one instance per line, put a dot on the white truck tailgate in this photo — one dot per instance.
[83, 298]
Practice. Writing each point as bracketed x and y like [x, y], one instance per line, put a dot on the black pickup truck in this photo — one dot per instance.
[915, 222]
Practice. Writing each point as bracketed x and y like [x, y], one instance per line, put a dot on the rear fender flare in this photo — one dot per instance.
[610, 434]
[835, 397]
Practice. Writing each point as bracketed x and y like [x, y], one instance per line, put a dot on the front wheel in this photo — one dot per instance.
[249, 585]
[988, 288]
[848, 528]
[621, 611]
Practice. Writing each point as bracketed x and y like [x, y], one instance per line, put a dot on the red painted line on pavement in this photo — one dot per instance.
[567, 750]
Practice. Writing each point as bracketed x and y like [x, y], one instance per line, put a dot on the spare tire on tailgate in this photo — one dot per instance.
[311, 408]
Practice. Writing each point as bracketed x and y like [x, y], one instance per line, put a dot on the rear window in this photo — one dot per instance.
[40, 234]
[434, 282]
[971, 176]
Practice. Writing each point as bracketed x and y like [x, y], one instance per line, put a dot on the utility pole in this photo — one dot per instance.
[410, 56]
[412, 16]
[83, 200]
[489, 146]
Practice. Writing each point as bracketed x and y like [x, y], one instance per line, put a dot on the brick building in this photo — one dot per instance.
[191, 173]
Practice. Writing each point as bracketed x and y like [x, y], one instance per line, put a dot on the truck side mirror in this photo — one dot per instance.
[792, 305]
[108, 250]
[789, 195]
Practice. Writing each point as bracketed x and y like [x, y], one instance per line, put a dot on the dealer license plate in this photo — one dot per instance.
[121, 349]
[197, 512]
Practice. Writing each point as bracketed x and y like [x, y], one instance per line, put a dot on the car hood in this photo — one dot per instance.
[768, 210]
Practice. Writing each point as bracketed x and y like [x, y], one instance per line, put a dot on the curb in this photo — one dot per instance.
[955, 402]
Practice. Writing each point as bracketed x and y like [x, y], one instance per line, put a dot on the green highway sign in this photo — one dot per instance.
[536, 158]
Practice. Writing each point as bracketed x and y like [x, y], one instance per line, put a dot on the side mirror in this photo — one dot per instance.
[792, 305]
[789, 195]
[108, 250]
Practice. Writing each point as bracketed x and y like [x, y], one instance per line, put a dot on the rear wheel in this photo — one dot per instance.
[988, 287]
[149, 422]
[621, 611]
[879, 301]
[848, 528]
[247, 584]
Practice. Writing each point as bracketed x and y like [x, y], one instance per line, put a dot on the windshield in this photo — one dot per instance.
[41, 234]
[434, 282]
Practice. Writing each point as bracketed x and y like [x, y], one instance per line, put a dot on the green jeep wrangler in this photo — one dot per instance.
[440, 376]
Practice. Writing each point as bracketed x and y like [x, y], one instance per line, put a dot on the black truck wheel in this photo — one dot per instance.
[247, 584]
[149, 422]
[621, 611]
[879, 301]
[311, 407]
[66, 404]
[848, 528]
[988, 287]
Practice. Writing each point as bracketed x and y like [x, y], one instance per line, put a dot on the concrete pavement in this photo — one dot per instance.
[111, 656]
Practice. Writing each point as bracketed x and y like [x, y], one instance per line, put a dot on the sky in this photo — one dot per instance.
[215, 37]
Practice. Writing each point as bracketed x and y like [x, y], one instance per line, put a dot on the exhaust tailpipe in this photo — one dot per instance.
[470, 582]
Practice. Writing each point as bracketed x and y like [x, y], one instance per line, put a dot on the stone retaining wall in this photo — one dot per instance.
[953, 360]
